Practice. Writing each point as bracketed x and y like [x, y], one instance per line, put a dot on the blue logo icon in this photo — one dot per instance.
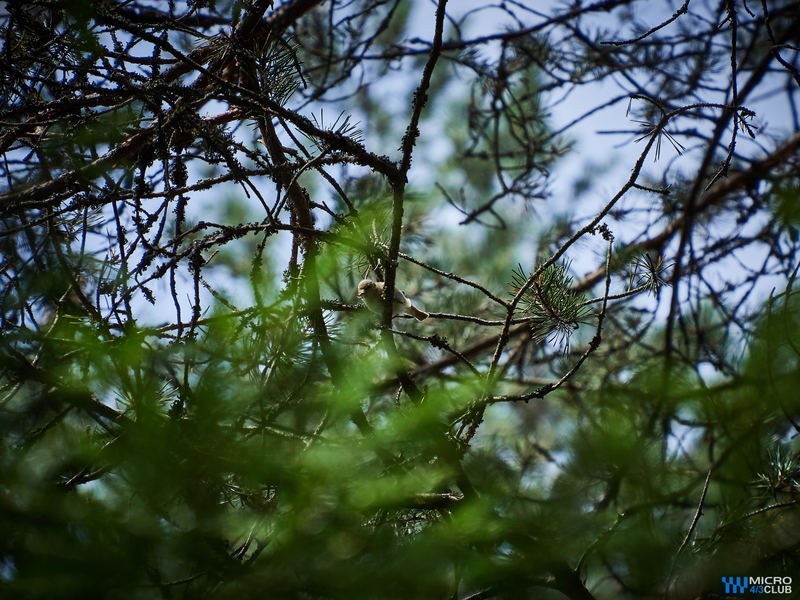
[735, 585]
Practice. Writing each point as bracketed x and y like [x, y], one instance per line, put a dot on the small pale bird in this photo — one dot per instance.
[371, 293]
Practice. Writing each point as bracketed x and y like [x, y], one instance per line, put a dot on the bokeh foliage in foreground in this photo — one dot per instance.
[215, 477]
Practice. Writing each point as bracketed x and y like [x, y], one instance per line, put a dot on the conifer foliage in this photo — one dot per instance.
[596, 202]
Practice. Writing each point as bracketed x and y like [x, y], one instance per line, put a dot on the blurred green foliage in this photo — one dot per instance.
[210, 474]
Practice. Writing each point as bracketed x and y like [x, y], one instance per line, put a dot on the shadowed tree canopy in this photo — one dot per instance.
[597, 203]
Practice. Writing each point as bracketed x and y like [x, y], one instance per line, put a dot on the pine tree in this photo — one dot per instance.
[596, 204]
